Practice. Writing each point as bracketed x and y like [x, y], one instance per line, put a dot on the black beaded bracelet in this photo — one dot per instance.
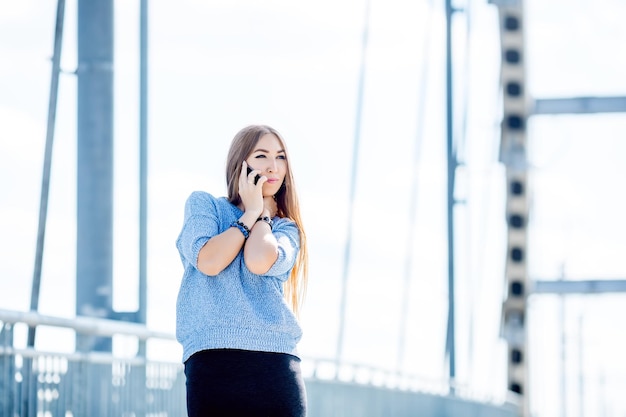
[267, 220]
[244, 229]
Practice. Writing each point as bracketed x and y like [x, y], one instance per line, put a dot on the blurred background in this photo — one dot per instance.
[359, 91]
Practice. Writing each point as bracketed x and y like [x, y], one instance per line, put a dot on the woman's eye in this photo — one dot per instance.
[281, 157]
[260, 156]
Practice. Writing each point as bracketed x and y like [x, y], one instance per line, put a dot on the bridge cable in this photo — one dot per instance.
[353, 178]
[419, 136]
[45, 182]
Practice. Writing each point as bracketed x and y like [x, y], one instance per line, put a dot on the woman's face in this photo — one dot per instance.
[268, 156]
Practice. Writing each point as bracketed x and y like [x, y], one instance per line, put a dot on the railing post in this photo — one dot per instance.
[7, 371]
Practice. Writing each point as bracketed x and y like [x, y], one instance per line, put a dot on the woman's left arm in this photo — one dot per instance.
[261, 248]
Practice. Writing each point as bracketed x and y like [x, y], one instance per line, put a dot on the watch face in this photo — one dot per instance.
[267, 220]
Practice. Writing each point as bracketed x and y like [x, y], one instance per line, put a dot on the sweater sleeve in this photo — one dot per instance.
[201, 223]
[288, 237]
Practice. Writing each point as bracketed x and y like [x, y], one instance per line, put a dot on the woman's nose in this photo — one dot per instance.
[271, 166]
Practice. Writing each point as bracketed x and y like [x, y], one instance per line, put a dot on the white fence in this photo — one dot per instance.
[34, 383]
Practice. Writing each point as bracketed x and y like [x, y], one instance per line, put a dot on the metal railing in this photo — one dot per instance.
[36, 383]
[49, 384]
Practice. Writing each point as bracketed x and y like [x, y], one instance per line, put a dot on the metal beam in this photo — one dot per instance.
[143, 162]
[94, 212]
[595, 286]
[579, 105]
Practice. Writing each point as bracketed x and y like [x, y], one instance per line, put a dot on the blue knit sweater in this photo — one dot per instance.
[235, 309]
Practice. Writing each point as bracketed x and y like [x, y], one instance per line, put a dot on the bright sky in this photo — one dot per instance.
[215, 67]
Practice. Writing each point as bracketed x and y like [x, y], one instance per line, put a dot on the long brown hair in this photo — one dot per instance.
[286, 200]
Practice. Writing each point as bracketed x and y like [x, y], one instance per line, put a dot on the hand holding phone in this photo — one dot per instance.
[256, 178]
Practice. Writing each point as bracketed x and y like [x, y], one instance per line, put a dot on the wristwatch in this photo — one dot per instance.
[267, 220]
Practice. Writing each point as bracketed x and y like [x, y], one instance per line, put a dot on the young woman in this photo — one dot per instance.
[245, 270]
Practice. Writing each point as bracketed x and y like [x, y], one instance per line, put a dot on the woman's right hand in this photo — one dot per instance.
[251, 194]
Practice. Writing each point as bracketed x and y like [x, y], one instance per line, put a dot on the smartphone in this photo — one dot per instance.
[256, 179]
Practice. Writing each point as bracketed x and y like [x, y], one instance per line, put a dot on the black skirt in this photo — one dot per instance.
[232, 382]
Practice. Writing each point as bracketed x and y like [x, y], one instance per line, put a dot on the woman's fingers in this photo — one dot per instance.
[250, 193]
